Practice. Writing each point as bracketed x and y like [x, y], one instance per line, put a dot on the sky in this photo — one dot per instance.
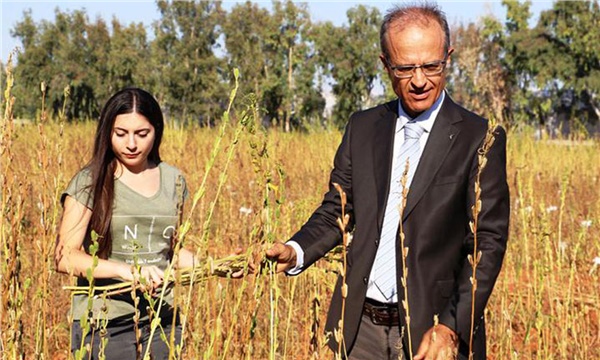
[145, 11]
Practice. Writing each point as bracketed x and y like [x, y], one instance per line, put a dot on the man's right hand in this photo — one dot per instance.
[284, 255]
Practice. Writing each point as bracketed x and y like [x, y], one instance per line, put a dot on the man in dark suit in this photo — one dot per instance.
[441, 178]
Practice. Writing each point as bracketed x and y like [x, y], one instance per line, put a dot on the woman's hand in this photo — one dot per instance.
[149, 275]
[153, 276]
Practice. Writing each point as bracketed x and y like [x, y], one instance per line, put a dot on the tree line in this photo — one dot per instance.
[512, 70]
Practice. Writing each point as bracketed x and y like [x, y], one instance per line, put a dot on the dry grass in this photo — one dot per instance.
[545, 306]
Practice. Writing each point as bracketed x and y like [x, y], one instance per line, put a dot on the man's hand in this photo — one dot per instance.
[439, 343]
[284, 255]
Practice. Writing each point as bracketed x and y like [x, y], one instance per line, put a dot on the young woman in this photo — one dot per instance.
[130, 199]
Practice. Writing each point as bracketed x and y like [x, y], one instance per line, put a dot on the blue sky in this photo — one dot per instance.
[144, 11]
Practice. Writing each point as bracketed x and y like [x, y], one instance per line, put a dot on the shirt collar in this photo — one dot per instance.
[426, 118]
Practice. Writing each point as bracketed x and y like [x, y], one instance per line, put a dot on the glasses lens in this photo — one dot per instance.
[404, 71]
[433, 68]
[407, 71]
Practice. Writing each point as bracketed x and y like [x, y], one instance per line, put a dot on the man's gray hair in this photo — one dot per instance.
[410, 14]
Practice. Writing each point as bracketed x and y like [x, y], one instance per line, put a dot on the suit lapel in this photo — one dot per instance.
[383, 149]
[443, 135]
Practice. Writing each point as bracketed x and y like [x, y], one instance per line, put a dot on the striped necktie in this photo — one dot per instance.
[384, 268]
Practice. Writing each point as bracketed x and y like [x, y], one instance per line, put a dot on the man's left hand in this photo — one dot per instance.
[439, 343]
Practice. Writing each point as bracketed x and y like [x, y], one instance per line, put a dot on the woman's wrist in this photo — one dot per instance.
[124, 271]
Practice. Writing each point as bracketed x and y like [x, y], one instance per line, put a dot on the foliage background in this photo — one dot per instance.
[545, 74]
[262, 183]
[546, 304]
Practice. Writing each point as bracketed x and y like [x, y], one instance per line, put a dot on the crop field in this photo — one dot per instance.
[250, 187]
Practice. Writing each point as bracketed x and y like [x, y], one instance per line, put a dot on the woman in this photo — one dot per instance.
[130, 199]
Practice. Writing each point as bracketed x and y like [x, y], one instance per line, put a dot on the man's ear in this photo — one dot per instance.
[450, 51]
[383, 61]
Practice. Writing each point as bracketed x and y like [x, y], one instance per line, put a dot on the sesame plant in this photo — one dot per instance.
[404, 248]
[251, 186]
[475, 257]
[13, 283]
[342, 222]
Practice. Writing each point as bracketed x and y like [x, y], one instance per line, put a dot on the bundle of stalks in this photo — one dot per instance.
[223, 267]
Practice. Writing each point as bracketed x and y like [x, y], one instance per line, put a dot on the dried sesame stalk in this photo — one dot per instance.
[404, 248]
[13, 289]
[475, 258]
[343, 224]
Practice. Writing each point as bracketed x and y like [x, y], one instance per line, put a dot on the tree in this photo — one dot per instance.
[128, 60]
[525, 105]
[72, 66]
[248, 31]
[349, 55]
[33, 64]
[69, 52]
[98, 54]
[519, 74]
[550, 70]
[294, 25]
[190, 75]
[568, 59]
[476, 78]
[274, 54]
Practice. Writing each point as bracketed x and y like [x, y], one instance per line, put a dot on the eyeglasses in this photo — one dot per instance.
[429, 69]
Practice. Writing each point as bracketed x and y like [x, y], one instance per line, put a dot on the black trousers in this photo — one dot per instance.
[121, 341]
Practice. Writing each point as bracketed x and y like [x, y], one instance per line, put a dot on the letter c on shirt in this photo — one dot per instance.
[166, 233]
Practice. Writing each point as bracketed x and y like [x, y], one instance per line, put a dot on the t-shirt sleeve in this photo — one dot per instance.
[80, 189]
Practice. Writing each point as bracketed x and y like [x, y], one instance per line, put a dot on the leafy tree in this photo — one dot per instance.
[293, 24]
[69, 52]
[349, 55]
[476, 77]
[519, 43]
[568, 59]
[549, 69]
[191, 84]
[274, 54]
[308, 101]
[128, 59]
[248, 31]
[33, 65]
[97, 55]
[520, 74]
[490, 72]
[72, 65]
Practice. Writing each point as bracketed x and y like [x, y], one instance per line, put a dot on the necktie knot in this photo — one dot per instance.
[412, 130]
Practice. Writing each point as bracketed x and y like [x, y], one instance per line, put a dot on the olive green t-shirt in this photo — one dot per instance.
[141, 230]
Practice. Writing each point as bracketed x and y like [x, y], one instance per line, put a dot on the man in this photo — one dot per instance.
[442, 140]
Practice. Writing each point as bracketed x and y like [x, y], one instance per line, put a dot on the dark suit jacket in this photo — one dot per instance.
[435, 220]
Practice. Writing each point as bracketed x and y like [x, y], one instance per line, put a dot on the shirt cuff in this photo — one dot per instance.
[299, 258]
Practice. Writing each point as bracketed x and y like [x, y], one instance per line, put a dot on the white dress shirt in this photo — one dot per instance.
[426, 120]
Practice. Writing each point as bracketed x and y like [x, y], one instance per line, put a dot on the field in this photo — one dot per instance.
[254, 187]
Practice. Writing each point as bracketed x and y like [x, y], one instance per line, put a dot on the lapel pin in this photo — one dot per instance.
[451, 136]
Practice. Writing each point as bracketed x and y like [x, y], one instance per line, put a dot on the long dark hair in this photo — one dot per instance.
[103, 163]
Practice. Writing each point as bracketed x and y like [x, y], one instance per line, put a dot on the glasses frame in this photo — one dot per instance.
[413, 67]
